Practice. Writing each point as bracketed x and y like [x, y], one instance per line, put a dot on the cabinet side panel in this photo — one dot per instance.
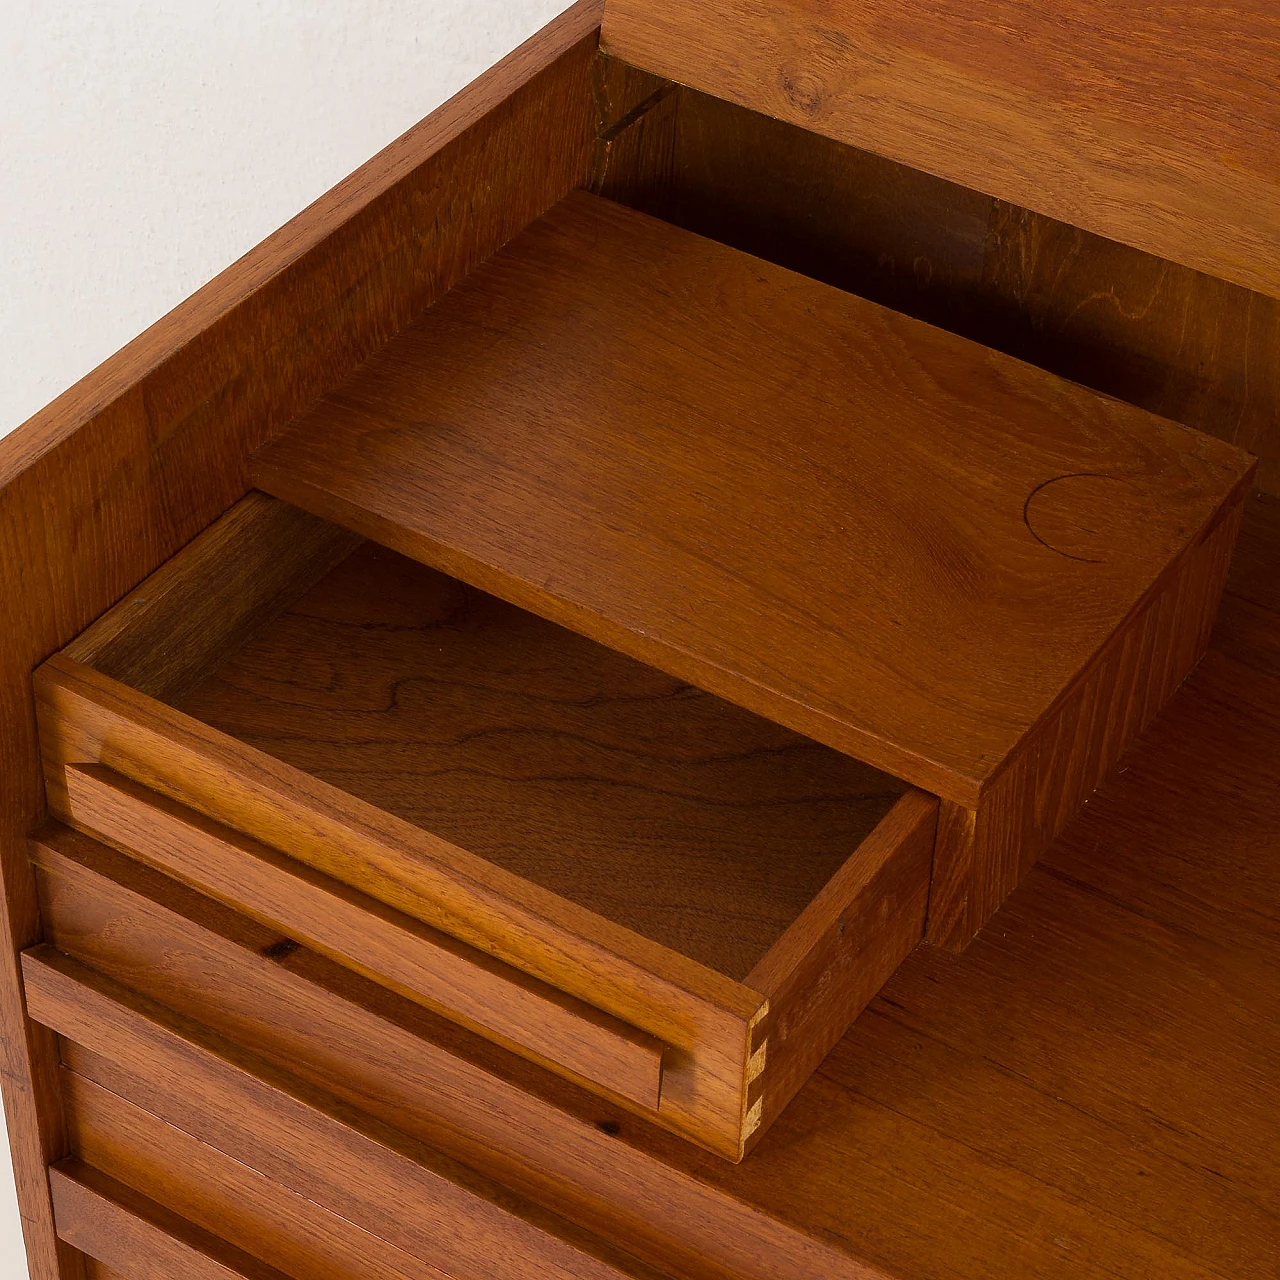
[113, 477]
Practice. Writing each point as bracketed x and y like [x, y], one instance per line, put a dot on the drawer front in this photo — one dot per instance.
[422, 1074]
[537, 973]
[219, 1196]
[391, 1186]
[354, 929]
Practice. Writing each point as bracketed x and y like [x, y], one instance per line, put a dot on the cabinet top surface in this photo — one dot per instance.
[885, 536]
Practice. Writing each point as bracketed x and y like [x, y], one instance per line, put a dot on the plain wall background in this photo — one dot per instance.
[146, 144]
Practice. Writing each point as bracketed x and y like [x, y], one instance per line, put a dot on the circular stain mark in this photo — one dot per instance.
[1070, 514]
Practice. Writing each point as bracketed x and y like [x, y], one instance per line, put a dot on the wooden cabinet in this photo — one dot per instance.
[505, 682]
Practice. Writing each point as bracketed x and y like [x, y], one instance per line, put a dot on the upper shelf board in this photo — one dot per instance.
[881, 535]
[1157, 125]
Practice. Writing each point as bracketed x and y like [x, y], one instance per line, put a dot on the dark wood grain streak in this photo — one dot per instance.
[636, 146]
[112, 478]
[1147, 126]
[123, 1228]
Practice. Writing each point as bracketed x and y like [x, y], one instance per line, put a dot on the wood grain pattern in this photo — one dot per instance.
[177, 628]
[425, 1203]
[560, 1145]
[1146, 126]
[428, 966]
[843, 949]
[1013, 505]
[1178, 342]
[850, 218]
[123, 1228]
[113, 477]
[95, 1270]
[557, 759]
[1161, 336]
[1086, 1091]
[982, 855]
[1171, 340]
[635, 144]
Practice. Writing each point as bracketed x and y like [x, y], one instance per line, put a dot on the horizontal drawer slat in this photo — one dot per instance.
[125, 1230]
[119, 1136]
[375, 940]
[293, 1133]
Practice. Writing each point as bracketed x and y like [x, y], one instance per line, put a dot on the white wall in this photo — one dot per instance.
[147, 144]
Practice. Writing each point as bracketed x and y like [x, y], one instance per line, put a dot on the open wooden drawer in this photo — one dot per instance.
[640, 886]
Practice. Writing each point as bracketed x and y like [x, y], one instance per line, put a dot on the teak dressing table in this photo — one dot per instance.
[680, 678]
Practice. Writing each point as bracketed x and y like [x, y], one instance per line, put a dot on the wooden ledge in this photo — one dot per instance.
[896, 541]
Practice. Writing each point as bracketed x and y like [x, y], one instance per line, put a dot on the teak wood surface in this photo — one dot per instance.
[222, 1195]
[447, 1215]
[1181, 343]
[659, 806]
[708, 1017]
[115, 1224]
[109, 481]
[359, 931]
[420, 1073]
[899, 543]
[1158, 126]
[1083, 1094]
